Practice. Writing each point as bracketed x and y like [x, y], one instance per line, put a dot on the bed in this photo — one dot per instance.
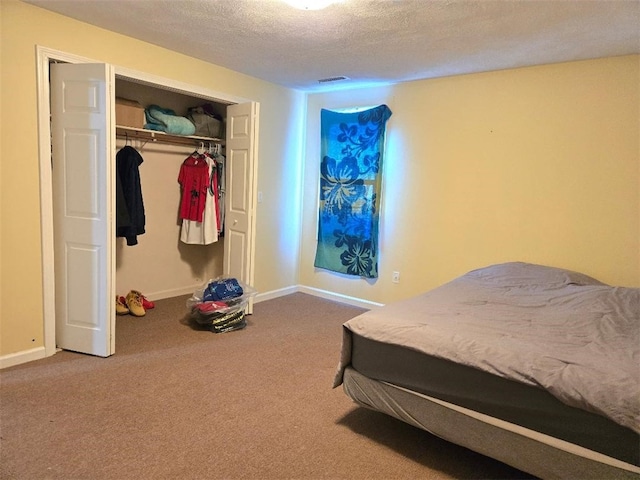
[535, 366]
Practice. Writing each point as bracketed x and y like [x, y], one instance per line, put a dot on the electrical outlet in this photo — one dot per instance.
[395, 277]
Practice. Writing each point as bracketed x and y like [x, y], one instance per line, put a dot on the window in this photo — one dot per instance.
[352, 149]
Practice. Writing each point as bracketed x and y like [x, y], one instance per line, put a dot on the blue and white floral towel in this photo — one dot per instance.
[352, 147]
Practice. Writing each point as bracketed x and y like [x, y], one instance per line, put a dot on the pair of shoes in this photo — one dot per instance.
[121, 306]
[134, 302]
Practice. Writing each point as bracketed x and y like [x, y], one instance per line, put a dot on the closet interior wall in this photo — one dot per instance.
[160, 265]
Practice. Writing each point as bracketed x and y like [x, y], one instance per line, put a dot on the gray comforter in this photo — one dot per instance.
[560, 330]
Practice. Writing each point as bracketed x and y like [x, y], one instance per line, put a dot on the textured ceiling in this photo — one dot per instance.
[370, 41]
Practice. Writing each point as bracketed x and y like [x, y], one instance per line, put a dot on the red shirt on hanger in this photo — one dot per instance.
[194, 180]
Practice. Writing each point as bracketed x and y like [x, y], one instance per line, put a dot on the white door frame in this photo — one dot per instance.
[44, 56]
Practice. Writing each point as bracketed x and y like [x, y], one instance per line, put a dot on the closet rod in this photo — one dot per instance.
[156, 136]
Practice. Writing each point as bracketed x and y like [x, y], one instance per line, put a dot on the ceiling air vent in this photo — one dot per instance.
[332, 79]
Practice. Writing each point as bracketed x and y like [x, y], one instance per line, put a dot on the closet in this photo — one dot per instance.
[79, 142]
[160, 265]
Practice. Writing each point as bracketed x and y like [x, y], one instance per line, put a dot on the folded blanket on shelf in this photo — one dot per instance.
[166, 120]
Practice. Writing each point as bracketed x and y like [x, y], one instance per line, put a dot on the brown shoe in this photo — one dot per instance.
[121, 308]
[134, 302]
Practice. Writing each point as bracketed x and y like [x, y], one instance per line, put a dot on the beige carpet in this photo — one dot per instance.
[176, 402]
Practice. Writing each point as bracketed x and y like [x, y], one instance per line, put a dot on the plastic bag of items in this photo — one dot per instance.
[220, 304]
[207, 122]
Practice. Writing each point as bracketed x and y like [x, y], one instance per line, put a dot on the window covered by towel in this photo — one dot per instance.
[352, 147]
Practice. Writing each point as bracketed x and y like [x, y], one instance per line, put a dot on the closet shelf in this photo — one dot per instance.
[157, 136]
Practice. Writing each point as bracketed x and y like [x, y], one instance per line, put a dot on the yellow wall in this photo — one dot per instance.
[537, 164]
[23, 27]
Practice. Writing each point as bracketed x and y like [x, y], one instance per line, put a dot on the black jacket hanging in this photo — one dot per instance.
[128, 161]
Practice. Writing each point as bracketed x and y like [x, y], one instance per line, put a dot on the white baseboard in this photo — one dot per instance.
[24, 356]
[262, 297]
[175, 292]
[38, 353]
[338, 297]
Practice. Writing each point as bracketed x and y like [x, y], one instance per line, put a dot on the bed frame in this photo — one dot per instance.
[527, 450]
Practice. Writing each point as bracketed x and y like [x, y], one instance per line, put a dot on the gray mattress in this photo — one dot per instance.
[498, 397]
[542, 348]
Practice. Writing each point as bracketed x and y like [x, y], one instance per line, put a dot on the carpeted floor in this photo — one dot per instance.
[176, 402]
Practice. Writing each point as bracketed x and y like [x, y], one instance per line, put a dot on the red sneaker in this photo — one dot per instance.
[147, 304]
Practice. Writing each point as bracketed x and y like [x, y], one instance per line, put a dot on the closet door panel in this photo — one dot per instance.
[81, 138]
[240, 204]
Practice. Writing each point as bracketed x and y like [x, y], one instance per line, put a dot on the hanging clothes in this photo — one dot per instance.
[220, 161]
[194, 180]
[203, 232]
[130, 216]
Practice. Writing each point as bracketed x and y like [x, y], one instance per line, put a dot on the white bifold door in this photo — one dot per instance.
[83, 176]
[240, 201]
[81, 105]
